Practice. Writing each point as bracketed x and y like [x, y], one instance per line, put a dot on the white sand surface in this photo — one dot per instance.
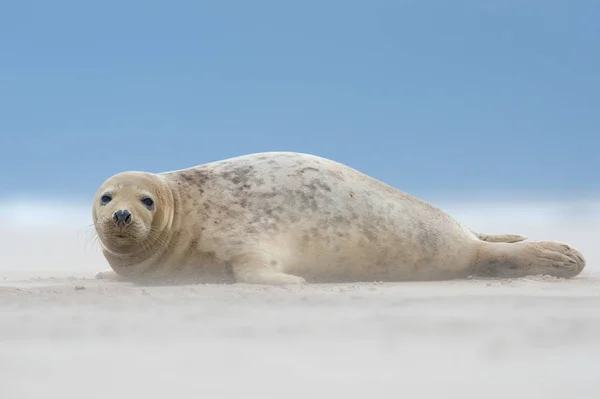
[65, 335]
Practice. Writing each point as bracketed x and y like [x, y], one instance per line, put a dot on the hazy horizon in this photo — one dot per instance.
[68, 227]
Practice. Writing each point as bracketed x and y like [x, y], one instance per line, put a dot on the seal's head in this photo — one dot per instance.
[130, 211]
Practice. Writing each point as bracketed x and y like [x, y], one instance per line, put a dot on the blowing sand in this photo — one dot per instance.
[65, 335]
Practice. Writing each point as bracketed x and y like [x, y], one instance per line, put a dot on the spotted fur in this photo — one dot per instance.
[281, 218]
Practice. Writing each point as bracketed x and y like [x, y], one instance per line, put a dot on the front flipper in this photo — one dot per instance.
[256, 269]
[110, 275]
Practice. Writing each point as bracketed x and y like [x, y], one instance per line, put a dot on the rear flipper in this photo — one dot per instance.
[509, 238]
[504, 260]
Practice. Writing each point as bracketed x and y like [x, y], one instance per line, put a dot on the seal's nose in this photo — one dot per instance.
[122, 216]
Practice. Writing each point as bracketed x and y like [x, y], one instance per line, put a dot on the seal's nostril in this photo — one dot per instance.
[122, 216]
[127, 216]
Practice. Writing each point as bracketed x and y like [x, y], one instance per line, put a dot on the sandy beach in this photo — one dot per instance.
[66, 335]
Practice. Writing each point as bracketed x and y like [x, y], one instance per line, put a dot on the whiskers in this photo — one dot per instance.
[155, 239]
[148, 244]
[91, 238]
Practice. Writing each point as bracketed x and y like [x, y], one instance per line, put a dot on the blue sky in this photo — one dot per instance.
[438, 98]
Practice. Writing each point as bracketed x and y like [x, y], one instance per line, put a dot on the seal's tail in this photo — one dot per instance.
[509, 238]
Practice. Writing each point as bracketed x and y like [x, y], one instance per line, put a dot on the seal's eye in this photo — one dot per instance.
[105, 199]
[148, 202]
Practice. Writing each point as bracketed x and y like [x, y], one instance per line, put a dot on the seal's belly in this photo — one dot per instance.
[404, 241]
[325, 221]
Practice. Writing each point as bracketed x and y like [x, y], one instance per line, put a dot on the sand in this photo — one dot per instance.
[65, 335]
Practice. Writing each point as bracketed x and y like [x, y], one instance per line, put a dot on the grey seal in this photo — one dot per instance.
[291, 218]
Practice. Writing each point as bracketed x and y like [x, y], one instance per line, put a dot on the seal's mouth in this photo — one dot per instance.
[120, 237]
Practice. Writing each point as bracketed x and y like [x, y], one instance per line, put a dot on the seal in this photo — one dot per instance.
[291, 218]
